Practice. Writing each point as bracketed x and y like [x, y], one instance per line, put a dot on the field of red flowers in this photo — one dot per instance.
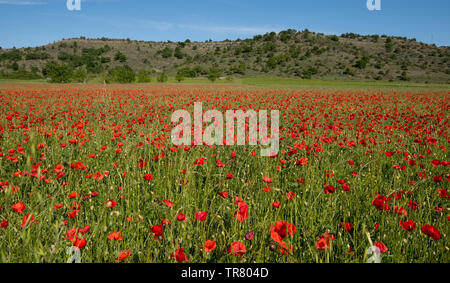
[94, 168]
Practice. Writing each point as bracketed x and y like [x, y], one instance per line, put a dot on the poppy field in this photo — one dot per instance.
[92, 169]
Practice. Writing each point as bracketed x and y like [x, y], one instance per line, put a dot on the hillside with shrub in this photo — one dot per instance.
[290, 53]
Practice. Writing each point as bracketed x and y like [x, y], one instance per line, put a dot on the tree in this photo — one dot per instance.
[57, 73]
[180, 75]
[143, 77]
[334, 38]
[213, 74]
[80, 76]
[121, 74]
[162, 78]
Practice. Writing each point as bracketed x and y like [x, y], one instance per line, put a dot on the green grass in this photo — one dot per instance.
[288, 83]
[344, 85]
[22, 81]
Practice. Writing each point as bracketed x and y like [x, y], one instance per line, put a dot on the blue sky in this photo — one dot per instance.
[38, 22]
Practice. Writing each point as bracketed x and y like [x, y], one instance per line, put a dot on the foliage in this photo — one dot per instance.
[58, 73]
[162, 78]
[121, 74]
[143, 76]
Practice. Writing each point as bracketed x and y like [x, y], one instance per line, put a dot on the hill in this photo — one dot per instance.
[290, 53]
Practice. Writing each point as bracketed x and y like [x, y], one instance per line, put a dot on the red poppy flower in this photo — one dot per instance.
[168, 202]
[179, 255]
[266, 188]
[408, 225]
[443, 193]
[73, 195]
[181, 217]
[224, 194]
[323, 241]
[157, 231]
[4, 224]
[111, 203]
[302, 161]
[201, 216]
[237, 248]
[382, 247]
[115, 236]
[148, 177]
[123, 255]
[431, 231]
[329, 189]
[290, 195]
[381, 203]
[19, 207]
[345, 187]
[209, 246]
[347, 226]
[400, 210]
[281, 229]
[58, 168]
[80, 243]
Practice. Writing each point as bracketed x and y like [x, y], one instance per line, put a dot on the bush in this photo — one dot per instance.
[362, 63]
[119, 56]
[349, 72]
[121, 74]
[37, 56]
[162, 78]
[188, 72]
[21, 74]
[213, 74]
[334, 38]
[143, 77]
[403, 77]
[166, 52]
[80, 76]
[178, 54]
[308, 73]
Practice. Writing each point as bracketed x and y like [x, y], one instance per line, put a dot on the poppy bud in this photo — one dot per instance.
[249, 235]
